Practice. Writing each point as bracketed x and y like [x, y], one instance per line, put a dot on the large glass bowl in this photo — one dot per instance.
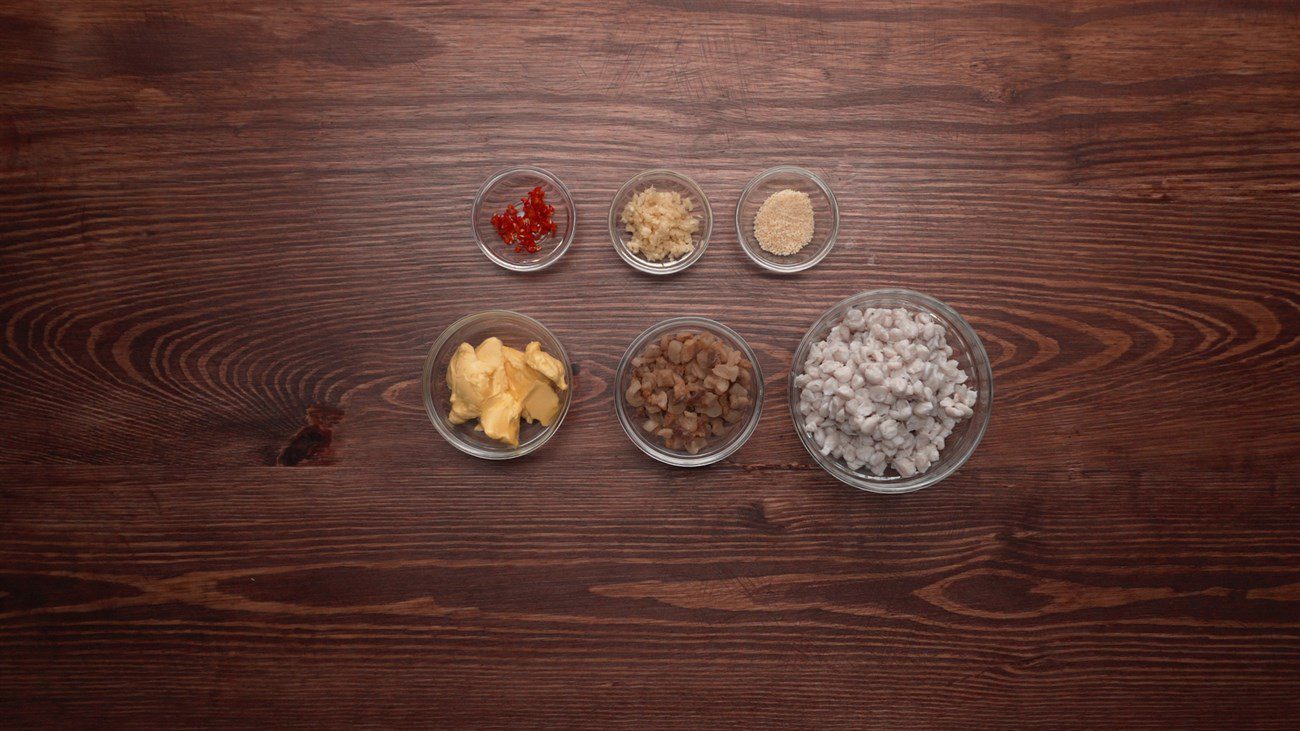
[969, 353]
[515, 330]
[509, 186]
[716, 448]
[661, 180]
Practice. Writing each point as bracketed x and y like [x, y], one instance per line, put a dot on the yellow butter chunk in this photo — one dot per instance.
[490, 352]
[542, 404]
[513, 356]
[520, 379]
[500, 418]
[499, 385]
[470, 382]
[545, 364]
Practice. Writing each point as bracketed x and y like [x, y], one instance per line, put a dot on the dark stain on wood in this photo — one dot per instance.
[312, 442]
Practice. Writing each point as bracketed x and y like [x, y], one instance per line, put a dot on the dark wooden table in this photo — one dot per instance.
[215, 217]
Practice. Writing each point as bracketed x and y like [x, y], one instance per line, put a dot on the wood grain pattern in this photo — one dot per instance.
[215, 217]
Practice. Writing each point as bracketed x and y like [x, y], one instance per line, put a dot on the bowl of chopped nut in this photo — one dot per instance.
[689, 391]
[890, 391]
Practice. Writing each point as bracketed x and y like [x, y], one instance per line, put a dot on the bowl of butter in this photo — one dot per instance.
[497, 384]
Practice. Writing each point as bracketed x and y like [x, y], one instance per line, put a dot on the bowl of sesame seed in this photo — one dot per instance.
[787, 219]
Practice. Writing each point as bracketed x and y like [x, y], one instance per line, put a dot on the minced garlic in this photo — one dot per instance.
[661, 224]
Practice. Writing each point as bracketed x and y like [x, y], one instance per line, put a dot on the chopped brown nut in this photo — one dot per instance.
[746, 377]
[727, 372]
[689, 388]
[674, 351]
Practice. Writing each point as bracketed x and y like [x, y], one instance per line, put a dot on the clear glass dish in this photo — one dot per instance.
[515, 330]
[509, 186]
[969, 353]
[717, 448]
[826, 217]
[661, 180]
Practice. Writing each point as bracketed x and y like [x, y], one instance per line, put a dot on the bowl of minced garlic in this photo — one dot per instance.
[497, 384]
[660, 222]
[787, 219]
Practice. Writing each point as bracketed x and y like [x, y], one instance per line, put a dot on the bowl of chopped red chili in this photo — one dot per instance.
[524, 218]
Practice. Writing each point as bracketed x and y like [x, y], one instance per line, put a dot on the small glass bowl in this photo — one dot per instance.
[661, 180]
[969, 353]
[509, 186]
[515, 330]
[826, 217]
[717, 448]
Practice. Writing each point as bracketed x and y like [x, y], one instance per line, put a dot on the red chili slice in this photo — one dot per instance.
[522, 229]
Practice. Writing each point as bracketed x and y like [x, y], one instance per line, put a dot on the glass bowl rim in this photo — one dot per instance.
[821, 184]
[979, 361]
[633, 430]
[555, 254]
[426, 387]
[677, 265]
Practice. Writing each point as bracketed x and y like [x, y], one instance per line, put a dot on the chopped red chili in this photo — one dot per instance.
[522, 230]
